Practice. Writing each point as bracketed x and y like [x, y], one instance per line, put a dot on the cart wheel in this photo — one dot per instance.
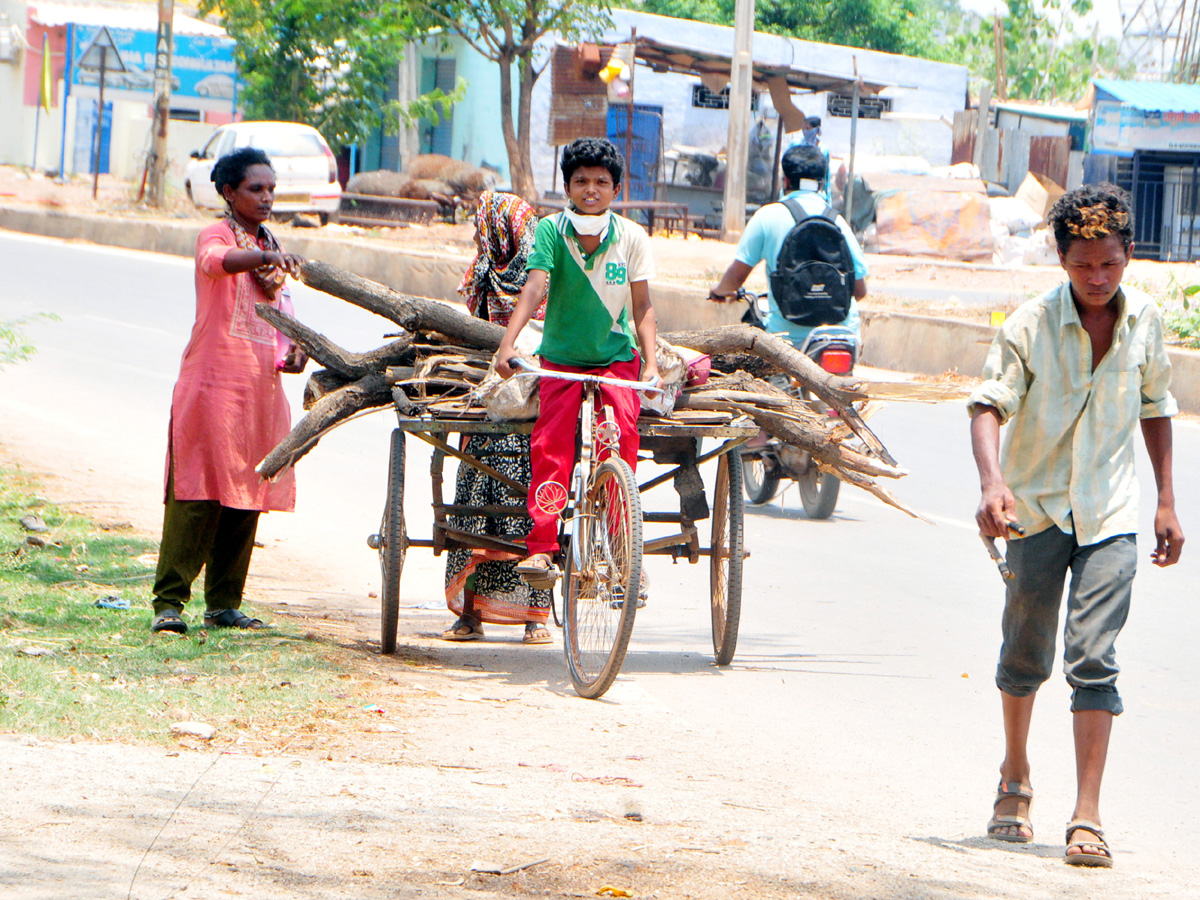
[818, 492]
[725, 563]
[600, 595]
[760, 477]
[393, 540]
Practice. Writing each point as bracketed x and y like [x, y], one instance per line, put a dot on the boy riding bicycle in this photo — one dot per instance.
[598, 316]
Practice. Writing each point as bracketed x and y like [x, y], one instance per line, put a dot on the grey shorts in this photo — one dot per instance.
[1097, 606]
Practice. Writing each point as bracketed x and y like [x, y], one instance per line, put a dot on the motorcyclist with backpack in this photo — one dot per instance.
[816, 274]
[818, 280]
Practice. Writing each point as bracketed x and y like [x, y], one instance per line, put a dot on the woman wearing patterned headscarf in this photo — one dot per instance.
[481, 585]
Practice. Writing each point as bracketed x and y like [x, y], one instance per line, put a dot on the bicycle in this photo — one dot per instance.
[602, 544]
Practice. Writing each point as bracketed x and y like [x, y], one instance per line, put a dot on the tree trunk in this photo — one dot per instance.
[516, 143]
[413, 314]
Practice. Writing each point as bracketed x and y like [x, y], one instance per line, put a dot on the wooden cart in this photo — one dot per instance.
[676, 442]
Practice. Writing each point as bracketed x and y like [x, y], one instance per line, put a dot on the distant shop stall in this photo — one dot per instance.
[1146, 138]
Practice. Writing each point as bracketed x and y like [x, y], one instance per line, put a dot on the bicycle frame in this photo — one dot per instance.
[583, 467]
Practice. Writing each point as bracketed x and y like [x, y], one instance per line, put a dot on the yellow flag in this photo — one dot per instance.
[44, 99]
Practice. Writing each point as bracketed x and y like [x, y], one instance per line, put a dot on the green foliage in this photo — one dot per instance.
[14, 345]
[433, 106]
[893, 26]
[1045, 59]
[326, 63]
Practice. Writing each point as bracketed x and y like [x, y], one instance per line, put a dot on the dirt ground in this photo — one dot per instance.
[480, 759]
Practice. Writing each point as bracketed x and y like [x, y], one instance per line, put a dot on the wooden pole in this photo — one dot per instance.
[629, 121]
[156, 163]
[733, 219]
[99, 124]
[848, 207]
[778, 157]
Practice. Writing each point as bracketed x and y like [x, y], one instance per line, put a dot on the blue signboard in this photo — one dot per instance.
[202, 67]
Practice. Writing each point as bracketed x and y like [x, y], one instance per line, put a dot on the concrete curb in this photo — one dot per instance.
[929, 345]
[903, 342]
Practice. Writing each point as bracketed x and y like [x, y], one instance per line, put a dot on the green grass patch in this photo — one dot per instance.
[68, 667]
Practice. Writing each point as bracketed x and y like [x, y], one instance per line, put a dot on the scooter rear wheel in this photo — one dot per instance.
[818, 492]
[760, 479]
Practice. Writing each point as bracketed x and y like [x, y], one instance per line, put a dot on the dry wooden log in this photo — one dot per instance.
[331, 410]
[835, 390]
[351, 366]
[413, 314]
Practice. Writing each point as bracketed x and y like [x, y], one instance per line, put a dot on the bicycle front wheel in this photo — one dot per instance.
[600, 596]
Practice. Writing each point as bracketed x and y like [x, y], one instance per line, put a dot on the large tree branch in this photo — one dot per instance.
[413, 314]
[327, 353]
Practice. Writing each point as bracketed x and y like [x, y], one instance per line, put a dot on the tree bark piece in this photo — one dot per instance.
[835, 390]
[413, 314]
[331, 410]
[351, 366]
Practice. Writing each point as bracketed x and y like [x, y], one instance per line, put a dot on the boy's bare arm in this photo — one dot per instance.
[527, 304]
[997, 505]
[1157, 434]
[646, 327]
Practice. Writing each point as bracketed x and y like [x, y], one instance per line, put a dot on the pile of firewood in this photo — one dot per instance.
[442, 354]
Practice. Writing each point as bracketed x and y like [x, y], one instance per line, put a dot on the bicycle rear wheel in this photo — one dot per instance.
[600, 597]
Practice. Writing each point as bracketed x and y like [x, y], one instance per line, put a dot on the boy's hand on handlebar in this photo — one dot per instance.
[504, 356]
[714, 297]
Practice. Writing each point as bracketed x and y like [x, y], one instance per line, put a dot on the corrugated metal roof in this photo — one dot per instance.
[134, 16]
[1184, 98]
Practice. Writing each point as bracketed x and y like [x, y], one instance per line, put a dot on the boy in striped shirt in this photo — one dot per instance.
[1073, 373]
[598, 316]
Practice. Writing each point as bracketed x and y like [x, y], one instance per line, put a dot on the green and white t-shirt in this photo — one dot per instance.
[588, 310]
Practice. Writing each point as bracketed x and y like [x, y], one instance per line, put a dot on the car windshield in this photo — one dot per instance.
[284, 144]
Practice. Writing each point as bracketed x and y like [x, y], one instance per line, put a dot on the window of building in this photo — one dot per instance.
[839, 106]
[703, 98]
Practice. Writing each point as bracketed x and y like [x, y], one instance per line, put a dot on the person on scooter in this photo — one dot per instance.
[804, 172]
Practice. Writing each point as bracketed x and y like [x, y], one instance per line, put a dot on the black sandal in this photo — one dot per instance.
[230, 618]
[168, 620]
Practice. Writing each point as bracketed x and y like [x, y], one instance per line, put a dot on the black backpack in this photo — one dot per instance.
[813, 281]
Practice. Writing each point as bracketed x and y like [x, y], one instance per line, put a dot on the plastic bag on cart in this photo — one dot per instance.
[512, 399]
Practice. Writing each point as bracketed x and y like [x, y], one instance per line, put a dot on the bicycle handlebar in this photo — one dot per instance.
[531, 369]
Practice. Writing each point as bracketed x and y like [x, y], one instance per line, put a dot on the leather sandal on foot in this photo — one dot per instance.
[168, 620]
[230, 618]
[536, 634]
[538, 571]
[1093, 852]
[464, 629]
[1006, 791]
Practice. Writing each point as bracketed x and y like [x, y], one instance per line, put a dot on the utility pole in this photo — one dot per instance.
[156, 163]
[737, 148]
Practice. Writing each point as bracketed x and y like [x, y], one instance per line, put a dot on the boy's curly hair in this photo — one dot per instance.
[231, 168]
[1091, 213]
[590, 151]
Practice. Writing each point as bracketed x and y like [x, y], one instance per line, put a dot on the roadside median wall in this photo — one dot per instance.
[903, 342]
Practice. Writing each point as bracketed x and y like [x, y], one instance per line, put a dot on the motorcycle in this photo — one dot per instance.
[765, 462]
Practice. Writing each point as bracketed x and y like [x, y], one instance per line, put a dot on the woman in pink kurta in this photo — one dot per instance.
[228, 409]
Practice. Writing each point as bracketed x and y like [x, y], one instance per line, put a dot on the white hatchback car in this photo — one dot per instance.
[305, 167]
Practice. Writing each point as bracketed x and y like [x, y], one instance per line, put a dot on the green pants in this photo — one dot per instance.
[203, 534]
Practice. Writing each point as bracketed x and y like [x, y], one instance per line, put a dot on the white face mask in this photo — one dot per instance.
[590, 225]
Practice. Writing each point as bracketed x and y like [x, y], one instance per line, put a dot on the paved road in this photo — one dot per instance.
[862, 683]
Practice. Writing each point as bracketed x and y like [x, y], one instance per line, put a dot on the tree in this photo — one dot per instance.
[1044, 59]
[326, 63]
[892, 26]
[507, 32]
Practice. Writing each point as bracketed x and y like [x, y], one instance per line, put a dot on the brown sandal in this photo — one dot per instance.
[1098, 856]
[1007, 790]
[456, 632]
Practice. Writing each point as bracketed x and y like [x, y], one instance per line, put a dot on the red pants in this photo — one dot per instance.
[552, 447]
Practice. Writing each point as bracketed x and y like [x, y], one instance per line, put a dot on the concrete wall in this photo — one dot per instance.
[12, 91]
